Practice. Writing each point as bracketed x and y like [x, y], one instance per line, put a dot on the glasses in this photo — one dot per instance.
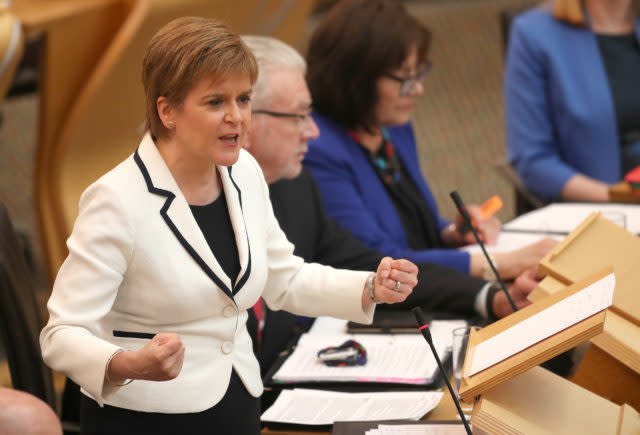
[409, 83]
[300, 118]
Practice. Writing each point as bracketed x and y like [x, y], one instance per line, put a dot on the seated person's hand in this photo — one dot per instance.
[487, 229]
[394, 280]
[513, 263]
[519, 290]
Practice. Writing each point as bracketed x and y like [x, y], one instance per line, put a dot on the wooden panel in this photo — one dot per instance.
[622, 192]
[611, 366]
[540, 402]
[5, 374]
[594, 244]
[11, 48]
[76, 33]
[600, 373]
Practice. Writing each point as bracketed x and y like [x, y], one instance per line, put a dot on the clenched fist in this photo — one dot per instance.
[393, 282]
[159, 360]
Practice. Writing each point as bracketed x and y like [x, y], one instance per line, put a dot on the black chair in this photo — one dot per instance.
[525, 199]
[20, 321]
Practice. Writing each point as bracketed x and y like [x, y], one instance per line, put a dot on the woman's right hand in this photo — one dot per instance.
[159, 360]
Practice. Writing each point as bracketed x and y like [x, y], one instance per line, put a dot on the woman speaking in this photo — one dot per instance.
[172, 246]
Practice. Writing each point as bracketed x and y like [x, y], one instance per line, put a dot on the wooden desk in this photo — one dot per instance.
[622, 192]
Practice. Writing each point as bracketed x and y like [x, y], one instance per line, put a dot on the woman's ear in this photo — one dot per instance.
[165, 112]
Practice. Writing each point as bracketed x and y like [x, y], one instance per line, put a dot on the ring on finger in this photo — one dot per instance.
[397, 286]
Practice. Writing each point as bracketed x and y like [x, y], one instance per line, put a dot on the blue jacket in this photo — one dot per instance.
[559, 111]
[355, 196]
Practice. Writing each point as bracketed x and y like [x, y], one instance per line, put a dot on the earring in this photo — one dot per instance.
[170, 125]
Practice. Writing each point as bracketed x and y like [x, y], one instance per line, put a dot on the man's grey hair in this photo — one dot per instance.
[271, 54]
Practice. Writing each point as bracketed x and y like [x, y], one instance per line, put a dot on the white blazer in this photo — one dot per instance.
[138, 264]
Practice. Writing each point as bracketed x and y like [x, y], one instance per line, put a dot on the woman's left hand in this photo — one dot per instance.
[394, 280]
[488, 229]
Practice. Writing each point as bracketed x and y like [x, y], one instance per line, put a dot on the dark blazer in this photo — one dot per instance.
[297, 205]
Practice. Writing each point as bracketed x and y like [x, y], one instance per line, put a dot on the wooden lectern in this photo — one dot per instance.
[516, 397]
[540, 402]
[611, 365]
[474, 384]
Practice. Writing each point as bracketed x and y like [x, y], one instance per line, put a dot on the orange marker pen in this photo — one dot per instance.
[490, 207]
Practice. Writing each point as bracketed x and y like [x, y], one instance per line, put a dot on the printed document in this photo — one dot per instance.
[316, 407]
[401, 358]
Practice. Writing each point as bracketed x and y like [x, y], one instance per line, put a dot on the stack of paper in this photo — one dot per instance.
[316, 407]
[403, 359]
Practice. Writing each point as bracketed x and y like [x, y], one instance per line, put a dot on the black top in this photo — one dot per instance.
[416, 215]
[215, 223]
[418, 221]
[621, 57]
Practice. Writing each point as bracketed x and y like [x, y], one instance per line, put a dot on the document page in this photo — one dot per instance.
[418, 429]
[536, 328]
[402, 358]
[565, 217]
[510, 242]
[316, 407]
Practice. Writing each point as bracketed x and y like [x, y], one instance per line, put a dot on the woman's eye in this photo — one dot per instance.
[215, 102]
[244, 99]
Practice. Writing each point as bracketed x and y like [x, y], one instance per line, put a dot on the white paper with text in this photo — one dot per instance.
[563, 314]
[316, 407]
[399, 358]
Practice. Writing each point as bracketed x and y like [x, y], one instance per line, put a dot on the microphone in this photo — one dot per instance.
[467, 220]
[424, 328]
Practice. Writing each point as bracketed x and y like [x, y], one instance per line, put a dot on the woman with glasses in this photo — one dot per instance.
[366, 63]
[572, 97]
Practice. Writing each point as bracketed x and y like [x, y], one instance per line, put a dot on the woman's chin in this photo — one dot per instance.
[399, 118]
[229, 158]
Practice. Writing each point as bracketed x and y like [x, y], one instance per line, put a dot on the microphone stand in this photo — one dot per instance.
[467, 220]
[424, 328]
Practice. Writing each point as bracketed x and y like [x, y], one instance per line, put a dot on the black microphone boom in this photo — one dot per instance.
[424, 328]
[467, 220]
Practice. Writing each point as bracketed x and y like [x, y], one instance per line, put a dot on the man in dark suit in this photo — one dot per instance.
[280, 128]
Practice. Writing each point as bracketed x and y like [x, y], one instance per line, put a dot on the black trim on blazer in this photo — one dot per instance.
[163, 212]
[132, 334]
[247, 272]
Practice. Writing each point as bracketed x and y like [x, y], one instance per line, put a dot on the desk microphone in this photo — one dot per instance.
[467, 221]
[424, 328]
